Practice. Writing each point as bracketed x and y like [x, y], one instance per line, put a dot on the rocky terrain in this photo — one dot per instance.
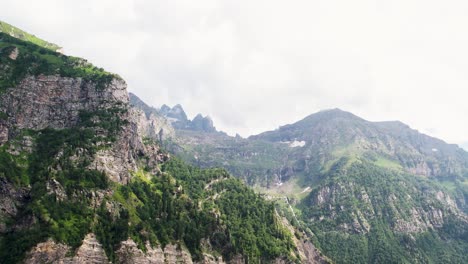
[175, 116]
[366, 191]
[90, 174]
[83, 177]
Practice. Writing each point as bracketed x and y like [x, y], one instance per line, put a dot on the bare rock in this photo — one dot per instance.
[47, 252]
[14, 54]
[52, 101]
[90, 252]
[10, 199]
[129, 253]
[3, 133]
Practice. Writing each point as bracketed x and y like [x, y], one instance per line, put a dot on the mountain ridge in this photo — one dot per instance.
[85, 177]
[367, 192]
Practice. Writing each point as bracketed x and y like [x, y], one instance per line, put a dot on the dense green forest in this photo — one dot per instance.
[174, 206]
[353, 229]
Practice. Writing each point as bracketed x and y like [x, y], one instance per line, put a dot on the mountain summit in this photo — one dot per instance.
[176, 116]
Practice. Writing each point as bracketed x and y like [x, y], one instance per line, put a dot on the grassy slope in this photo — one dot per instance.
[20, 34]
[35, 60]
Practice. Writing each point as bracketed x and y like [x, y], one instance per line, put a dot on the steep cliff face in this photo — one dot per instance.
[55, 102]
[38, 102]
[91, 251]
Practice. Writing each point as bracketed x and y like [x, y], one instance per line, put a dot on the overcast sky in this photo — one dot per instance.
[255, 65]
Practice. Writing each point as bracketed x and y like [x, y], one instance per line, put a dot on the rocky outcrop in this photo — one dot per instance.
[14, 54]
[306, 251]
[90, 252]
[119, 160]
[200, 123]
[11, 198]
[52, 101]
[129, 253]
[176, 113]
[47, 252]
[40, 102]
[3, 133]
[152, 124]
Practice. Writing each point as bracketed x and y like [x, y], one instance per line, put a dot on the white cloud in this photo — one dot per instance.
[255, 65]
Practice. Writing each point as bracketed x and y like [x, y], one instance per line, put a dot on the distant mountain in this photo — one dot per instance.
[366, 192]
[176, 116]
[341, 133]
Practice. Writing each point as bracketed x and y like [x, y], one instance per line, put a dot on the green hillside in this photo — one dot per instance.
[20, 34]
[364, 192]
[52, 190]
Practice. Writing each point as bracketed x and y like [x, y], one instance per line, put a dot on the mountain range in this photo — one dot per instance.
[92, 174]
[377, 192]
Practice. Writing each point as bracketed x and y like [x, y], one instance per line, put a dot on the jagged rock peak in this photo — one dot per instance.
[200, 123]
[176, 112]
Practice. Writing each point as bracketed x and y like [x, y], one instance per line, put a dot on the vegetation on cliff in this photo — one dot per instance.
[66, 196]
[35, 60]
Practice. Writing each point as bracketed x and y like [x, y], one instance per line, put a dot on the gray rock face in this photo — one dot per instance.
[47, 252]
[14, 54]
[176, 112]
[129, 253]
[200, 123]
[3, 133]
[53, 101]
[10, 199]
[307, 252]
[153, 123]
[90, 252]
[40, 102]
[153, 126]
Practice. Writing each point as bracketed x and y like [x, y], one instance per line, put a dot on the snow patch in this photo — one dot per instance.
[435, 150]
[172, 120]
[295, 143]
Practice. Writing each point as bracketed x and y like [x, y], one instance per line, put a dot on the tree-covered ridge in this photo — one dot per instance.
[364, 213]
[181, 204]
[20, 34]
[35, 60]
[55, 172]
[63, 196]
[187, 204]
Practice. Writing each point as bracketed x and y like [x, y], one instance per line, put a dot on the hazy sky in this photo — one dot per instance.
[255, 65]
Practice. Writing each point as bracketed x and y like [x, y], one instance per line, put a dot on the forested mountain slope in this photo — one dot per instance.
[83, 178]
[365, 192]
